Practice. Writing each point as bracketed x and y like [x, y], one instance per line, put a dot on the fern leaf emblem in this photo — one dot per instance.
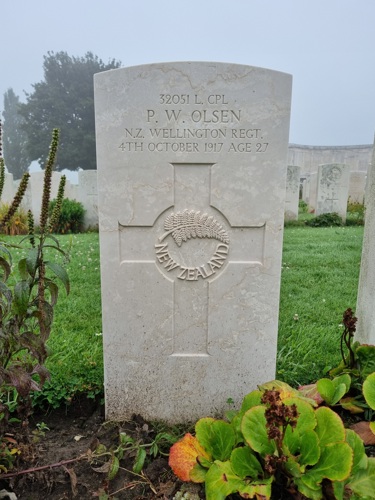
[193, 224]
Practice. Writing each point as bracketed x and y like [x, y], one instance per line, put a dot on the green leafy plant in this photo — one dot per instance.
[325, 220]
[355, 213]
[278, 441]
[347, 383]
[71, 216]
[28, 295]
[133, 449]
[303, 207]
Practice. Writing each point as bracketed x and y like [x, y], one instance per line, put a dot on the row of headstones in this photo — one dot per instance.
[325, 191]
[191, 198]
[85, 192]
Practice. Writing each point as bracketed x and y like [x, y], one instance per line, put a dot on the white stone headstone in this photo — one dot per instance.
[70, 190]
[333, 189]
[192, 161]
[357, 186]
[292, 192]
[8, 189]
[366, 289]
[311, 189]
[88, 196]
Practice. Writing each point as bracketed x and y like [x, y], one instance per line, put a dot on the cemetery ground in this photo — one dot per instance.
[320, 269]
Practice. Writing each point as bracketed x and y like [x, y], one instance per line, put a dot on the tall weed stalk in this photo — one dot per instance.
[28, 294]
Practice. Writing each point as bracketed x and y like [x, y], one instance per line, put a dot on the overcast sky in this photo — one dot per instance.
[327, 45]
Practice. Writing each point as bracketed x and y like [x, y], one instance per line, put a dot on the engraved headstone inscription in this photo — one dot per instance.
[192, 164]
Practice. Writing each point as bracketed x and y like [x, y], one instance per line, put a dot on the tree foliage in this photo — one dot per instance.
[16, 155]
[64, 99]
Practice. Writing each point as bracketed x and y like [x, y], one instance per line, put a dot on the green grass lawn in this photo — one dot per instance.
[319, 281]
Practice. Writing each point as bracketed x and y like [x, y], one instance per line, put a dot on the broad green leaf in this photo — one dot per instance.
[139, 460]
[343, 379]
[369, 390]
[306, 414]
[22, 267]
[221, 481]
[335, 463]
[236, 425]
[340, 391]
[309, 449]
[312, 493]
[366, 359]
[363, 481]
[372, 427]
[250, 400]
[223, 440]
[245, 463]
[203, 433]
[293, 467]
[292, 441]
[254, 430]
[330, 428]
[360, 459]
[198, 473]
[32, 260]
[60, 272]
[339, 489]
[21, 297]
[326, 389]
[330, 391]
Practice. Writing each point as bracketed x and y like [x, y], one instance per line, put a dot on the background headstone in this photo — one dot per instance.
[366, 289]
[333, 189]
[311, 191]
[292, 192]
[191, 192]
[71, 190]
[357, 186]
[8, 189]
[34, 192]
[88, 196]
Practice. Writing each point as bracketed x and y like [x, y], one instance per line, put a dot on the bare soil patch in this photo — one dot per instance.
[73, 432]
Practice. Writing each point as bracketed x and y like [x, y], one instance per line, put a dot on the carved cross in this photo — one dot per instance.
[192, 244]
